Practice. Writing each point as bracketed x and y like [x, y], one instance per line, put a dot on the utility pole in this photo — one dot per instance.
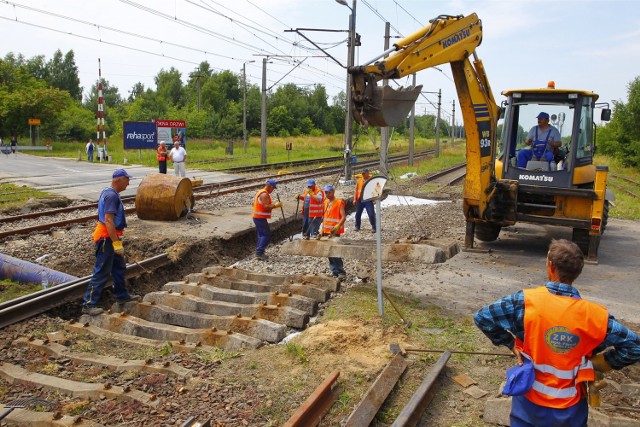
[263, 115]
[244, 105]
[453, 123]
[348, 124]
[412, 127]
[438, 123]
[384, 131]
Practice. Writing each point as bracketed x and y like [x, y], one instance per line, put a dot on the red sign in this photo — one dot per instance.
[171, 123]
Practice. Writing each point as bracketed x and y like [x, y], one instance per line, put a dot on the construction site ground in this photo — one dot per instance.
[264, 386]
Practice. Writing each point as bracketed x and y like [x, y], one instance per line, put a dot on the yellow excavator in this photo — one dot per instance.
[563, 188]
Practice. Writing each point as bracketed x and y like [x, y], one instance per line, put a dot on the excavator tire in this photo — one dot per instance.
[487, 232]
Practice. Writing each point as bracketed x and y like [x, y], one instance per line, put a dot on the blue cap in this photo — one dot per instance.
[365, 170]
[311, 182]
[272, 182]
[328, 188]
[542, 115]
[519, 379]
[121, 172]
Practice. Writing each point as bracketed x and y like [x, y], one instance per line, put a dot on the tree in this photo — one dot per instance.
[62, 73]
[169, 86]
[621, 137]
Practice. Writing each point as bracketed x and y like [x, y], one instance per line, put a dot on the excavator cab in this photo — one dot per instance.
[563, 186]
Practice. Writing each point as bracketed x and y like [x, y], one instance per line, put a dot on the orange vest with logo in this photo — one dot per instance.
[161, 154]
[316, 208]
[358, 192]
[560, 333]
[332, 215]
[259, 211]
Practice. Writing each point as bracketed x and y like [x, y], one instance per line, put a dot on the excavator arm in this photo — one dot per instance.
[447, 39]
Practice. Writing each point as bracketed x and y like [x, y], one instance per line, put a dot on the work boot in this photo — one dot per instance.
[306, 237]
[92, 311]
[130, 298]
[262, 257]
[373, 231]
[342, 276]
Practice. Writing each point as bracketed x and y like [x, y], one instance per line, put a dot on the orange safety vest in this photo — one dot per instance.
[101, 232]
[358, 192]
[259, 211]
[560, 334]
[161, 155]
[332, 215]
[316, 208]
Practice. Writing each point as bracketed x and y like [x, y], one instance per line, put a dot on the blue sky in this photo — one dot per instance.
[592, 45]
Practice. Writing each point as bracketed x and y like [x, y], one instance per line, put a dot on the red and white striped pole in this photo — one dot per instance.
[100, 115]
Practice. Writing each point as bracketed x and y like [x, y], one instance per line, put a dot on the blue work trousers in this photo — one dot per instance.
[264, 234]
[311, 226]
[108, 263]
[371, 213]
[525, 413]
[336, 265]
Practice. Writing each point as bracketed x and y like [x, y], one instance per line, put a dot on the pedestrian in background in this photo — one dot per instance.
[569, 342]
[361, 206]
[89, 149]
[107, 237]
[333, 225]
[14, 144]
[312, 209]
[161, 155]
[178, 156]
[262, 207]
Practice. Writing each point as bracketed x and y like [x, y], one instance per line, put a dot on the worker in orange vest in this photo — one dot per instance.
[563, 344]
[333, 225]
[262, 207]
[312, 209]
[361, 206]
[161, 155]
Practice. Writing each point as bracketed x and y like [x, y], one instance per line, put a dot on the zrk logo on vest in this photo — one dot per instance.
[560, 340]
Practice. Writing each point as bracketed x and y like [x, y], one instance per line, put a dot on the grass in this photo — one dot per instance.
[14, 196]
[11, 290]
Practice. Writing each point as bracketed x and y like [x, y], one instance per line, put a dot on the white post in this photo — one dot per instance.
[378, 209]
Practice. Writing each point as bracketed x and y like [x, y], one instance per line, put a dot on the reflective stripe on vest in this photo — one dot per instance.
[332, 215]
[560, 334]
[259, 211]
[316, 208]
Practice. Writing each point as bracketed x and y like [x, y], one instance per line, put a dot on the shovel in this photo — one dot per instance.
[284, 218]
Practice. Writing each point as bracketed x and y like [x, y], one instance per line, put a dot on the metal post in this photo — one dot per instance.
[244, 105]
[412, 126]
[384, 131]
[263, 115]
[378, 209]
[438, 123]
[453, 123]
[348, 128]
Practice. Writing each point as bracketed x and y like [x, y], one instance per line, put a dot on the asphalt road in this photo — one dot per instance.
[80, 179]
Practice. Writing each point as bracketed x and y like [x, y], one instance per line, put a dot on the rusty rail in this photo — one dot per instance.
[411, 414]
[317, 405]
[373, 399]
[38, 302]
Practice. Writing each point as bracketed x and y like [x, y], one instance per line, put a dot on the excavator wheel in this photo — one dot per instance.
[487, 232]
[582, 239]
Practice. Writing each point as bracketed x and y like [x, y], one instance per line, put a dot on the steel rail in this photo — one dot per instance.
[413, 411]
[41, 301]
[233, 187]
[310, 413]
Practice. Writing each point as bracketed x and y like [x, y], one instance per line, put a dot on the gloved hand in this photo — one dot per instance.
[277, 205]
[335, 229]
[600, 363]
[118, 248]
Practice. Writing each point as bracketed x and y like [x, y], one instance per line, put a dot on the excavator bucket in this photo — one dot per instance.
[387, 106]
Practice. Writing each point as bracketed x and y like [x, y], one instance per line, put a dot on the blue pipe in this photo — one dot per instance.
[27, 272]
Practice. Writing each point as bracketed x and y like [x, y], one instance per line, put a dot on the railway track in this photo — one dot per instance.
[201, 192]
[621, 187]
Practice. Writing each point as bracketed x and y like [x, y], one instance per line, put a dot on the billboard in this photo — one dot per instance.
[139, 135]
[172, 130]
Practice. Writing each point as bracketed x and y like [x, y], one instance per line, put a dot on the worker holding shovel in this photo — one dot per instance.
[333, 226]
[262, 207]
